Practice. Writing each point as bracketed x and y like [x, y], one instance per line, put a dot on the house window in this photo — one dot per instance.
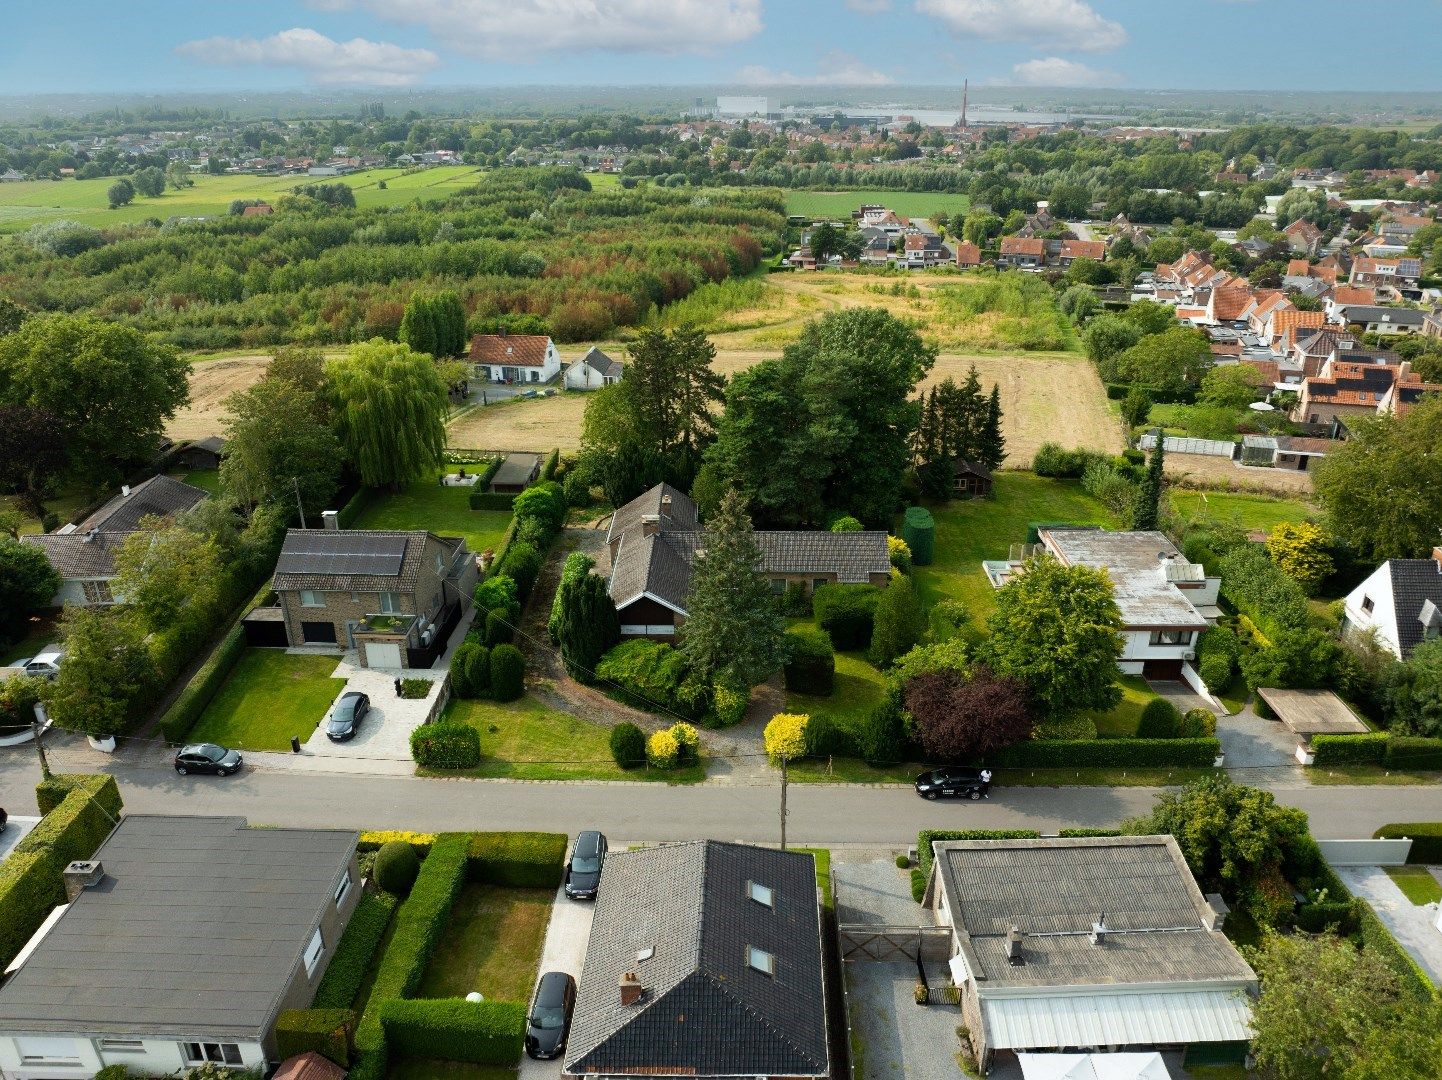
[390, 603]
[122, 1046]
[311, 598]
[762, 894]
[1171, 637]
[816, 583]
[342, 888]
[97, 592]
[760, 960]
[1367, 604]
[778, 586]
[198, 1053]
[313, 951]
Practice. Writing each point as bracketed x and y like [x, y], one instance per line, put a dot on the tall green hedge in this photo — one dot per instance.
[481, 499]
[918, 529]
[446, 745]
[99, 786]
[357, 948]
[454, 1029]
[1413, 752]
[847, 613]
[326, 1031]
[1109, 753]
[73, 830]
[354, 507]
[1379, 939]
[1366, 749]
[30, 886]
[183, 713]
[548, 467]
[810, 661]
[1426, 837]
[523, 859]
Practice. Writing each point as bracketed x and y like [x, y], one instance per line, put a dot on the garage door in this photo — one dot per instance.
[382, 654]
[318, 633]
[1163, 670]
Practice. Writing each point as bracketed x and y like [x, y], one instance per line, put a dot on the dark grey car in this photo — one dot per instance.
[583, 872]
[954, 782]
[345, 718]
[207, 758]
[549, 1020]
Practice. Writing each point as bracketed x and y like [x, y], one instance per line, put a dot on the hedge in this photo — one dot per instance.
[548, 470]
[918, 529]
[1379, 939]
[1366, 749]
[183, 713]
[847, 613]
[446, 744]
[927, 837]
[1314, 918]
[1413, 752]
[1426, 839]
[327, 1031]
[1099, 753]
[1077, 834]
[355, 952]
[480, 499]
[73, 830]
[354, 507]
[454, 1029]
[375, 839]
[51, 793]
[533, 860]
[811, 662]
[30, 887]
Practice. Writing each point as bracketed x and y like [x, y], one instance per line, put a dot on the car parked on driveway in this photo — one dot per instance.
[954, 782]
[549, 1020]
[45, 664]
[583, 872]
[345, 718]
[207, 758]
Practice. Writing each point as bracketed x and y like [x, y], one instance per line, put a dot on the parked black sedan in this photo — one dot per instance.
[345, 718]
[549, 1021]
[583, 872]
[954, 782]
[207, 758]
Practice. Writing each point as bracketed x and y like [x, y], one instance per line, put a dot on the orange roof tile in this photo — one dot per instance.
[520, 350]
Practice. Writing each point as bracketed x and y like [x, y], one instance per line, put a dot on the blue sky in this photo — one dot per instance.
[95, 45]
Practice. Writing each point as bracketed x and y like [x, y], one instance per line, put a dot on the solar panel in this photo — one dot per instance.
[350, 553]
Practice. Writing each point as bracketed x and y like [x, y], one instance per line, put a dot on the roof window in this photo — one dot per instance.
[762, 894]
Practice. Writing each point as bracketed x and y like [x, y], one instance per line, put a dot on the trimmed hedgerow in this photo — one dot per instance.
[74, 829]
[30, 887]
[1379, 939]
[446, 745]
[1367, 749]
[454, 1029]
[327, 1031]
[180, 718]
[355, 952]
[1413, 752]
[1426, 837]
[375, 839]
[530, 860]
[51, 792]
[1102, 753]
[927, 837]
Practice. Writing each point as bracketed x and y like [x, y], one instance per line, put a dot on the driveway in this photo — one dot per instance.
[565, 950]
[900, 1039]
[1412, 925]
[1251, 742]
[16, 830]
[385, 732]
[870, 888]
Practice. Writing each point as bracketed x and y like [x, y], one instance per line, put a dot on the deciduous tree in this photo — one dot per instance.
[27, 582]
[1170, 360]
[276, 442]
[107, 675]
[390, 412]
[961, 717]
[165, 571]
[1304, 552]
[120, 193]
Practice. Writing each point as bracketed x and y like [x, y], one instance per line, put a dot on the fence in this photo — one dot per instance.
[1365, 852]
[1176, 444]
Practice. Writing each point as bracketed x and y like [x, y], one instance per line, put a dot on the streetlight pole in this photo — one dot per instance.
[783, 801]
[40, 748]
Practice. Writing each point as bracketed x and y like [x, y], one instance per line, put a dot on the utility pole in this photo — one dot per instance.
[295, 480]
[783, 801]
[40, 749]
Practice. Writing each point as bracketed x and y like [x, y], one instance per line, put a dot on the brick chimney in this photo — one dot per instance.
[650, 524]
[79, 876]
[631, 988]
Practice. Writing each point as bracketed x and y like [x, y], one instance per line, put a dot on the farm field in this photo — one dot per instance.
[24, 204]
[839, 204]
[210, 384]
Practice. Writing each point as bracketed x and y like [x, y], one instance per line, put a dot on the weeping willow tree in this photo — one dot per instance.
[390, 412]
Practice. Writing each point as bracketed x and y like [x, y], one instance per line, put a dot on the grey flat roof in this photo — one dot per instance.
[1313, 712]
[517, 469]
[195, 930]
[1134, 562]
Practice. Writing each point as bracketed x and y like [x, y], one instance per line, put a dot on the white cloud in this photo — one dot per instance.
[1055, 71]
[1070, 25]
[329, 5]
[836, 68]
[331, 63]
[869, 7]
[515, 30]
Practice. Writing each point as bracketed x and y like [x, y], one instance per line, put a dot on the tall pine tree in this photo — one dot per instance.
[991, 446]
[1147, 514]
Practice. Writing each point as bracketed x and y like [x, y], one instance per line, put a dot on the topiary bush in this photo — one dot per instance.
[1160, 720]
[811, 662]
[918, 529]
[471, 670]
[508, 673]
[396, 867]
[847, 613]
[454, 1029]
[522, 563]
[628, 745]
[446, 744]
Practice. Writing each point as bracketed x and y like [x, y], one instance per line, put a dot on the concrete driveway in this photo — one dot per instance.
[16, 830]
[870, 888]
[564, 950]
[900, 1039]
[1413, 925]
[385, 732]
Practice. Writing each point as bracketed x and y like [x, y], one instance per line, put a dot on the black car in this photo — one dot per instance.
[954, 782]
[549, 1020]
[583, 872]
[4, 819]
[345, 718]
[207, 758]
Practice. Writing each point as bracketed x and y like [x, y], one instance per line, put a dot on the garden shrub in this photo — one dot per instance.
[918, 886]
[1216, 671]
[30, 887]
[847, 613]
[918, 529]
[653, 676]
[115, 1072]
[499, 592]
[508, 674]
[811, 662]
[794, 601]
[375, 839]
[899, 622]
[628, 745]
[396, 868]
[1159, 720]
[688, 743]
[899, 552]
[847, 523]
[1077, 834]
[1366, 749]
[446, 744]
[1258, 588]
[785, 736]
[1413, 752]
[101, 787]
[1051, 460]
[1426, 837]
[1199, 724]
[489, 500]
[947, 618]
[357, 948]
[534, 531]
[728, 706]
[578, 565]
[1339, 915]
[181, 717]
[525, 860]
[454, 1029]
[499, 630]
[522, 563]
[662, 750]
[327, 1031]
[1109, 753]
[471, 670]
[882, 738]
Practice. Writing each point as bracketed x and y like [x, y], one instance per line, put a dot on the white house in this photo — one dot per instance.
[515, 358]
[1400, 604]
[593, 371]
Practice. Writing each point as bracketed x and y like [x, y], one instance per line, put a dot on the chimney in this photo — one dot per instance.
[80, 876]
[330, 519]
[631, 989]
[124, 491]
[1215, 917]
[1098, 935]
[91, 535]
[650, 524]
[1013, 947]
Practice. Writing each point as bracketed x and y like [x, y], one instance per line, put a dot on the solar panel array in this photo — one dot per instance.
[353, 553]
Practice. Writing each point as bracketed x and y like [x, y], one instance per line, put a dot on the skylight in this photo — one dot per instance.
[762, 894]
[760, 960]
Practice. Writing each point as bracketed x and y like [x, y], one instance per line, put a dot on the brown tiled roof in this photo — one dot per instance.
[1084, 249]
[1022, 245]
[309, 1066]
[1270, 370]
[1298, 268]
[519, 350]
[967, 252]
[1304, 228]
[1229, 301]
[1354, 294]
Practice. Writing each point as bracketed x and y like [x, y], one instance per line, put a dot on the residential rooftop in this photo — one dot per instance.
[1146, 570]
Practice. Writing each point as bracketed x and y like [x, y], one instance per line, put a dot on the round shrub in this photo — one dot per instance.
[508, 673]
[903, 862]
[396, 867]
[811, 664]
[498, 629]
[522, 563]
[1216, 671]
[1160, 720]
[471, 669]
[846, 524]
[823, 737]
[728, 706]
[628, 745]
[846, 613]
[662, 750]
[688, 743]
[785, 736]
[1199, 724]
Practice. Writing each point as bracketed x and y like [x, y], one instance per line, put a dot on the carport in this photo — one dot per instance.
[1306, 713]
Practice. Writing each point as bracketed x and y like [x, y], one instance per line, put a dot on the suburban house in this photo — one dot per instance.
[394, 597]
[1022, 252]
[1088, 944]
[179, 944]
[1397, 274]
[1379, 320]
[655, 538]
[971, 479]
[923, 249]
[1165, 601]
[593, 371]
[515, 358]
[1400, 604]
[968, 255]
[1071, 250]
[1346, 388]
[84, 554]
[705, 960]
[202, 455]
[1303, 237]
[517, 472]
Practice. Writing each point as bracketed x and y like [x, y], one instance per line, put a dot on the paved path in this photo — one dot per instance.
[902, 1040]
[870, 888]
[1250, 742]
[567, 935]
[1412, 925]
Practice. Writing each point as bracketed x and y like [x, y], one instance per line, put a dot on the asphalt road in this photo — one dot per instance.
[830, 814]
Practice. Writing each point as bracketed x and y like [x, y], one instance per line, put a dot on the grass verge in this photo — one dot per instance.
[1417, 884]
[269, 697]
[1369, 775]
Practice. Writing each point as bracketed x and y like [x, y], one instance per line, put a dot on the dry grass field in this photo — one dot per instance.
[210, 384]
[536, 424]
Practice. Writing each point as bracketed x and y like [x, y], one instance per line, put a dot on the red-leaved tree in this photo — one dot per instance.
[964, 717]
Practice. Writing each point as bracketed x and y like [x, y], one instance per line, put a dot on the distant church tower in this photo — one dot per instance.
[965, 85]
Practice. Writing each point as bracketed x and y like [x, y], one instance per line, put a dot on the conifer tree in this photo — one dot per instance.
[991, 447]
[588, 626]
[1148, 510]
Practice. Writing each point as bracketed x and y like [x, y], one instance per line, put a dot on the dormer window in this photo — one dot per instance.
[760, 960]
[762, 894]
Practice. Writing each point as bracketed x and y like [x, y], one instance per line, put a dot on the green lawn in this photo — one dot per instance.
[205, 479]
[1122, 721]
[67, 505]
[532, 742]
[823, 872]
[839, 204]
[968, 532]
[491, 943]
[1255, 513]
[425, 504]
[859, 687]
[1416, 883]
[269, 697]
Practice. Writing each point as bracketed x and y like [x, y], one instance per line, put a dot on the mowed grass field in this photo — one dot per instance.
[839, 204]
[23, 204]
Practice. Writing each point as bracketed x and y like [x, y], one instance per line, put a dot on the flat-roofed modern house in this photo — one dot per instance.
[655, 538]
[705, 960]
[182, 941]
[394, 597]
[1097, 943]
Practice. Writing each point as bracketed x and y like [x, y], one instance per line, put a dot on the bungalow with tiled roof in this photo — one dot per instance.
[515, 358]
[1022, 252]
[968, 255]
